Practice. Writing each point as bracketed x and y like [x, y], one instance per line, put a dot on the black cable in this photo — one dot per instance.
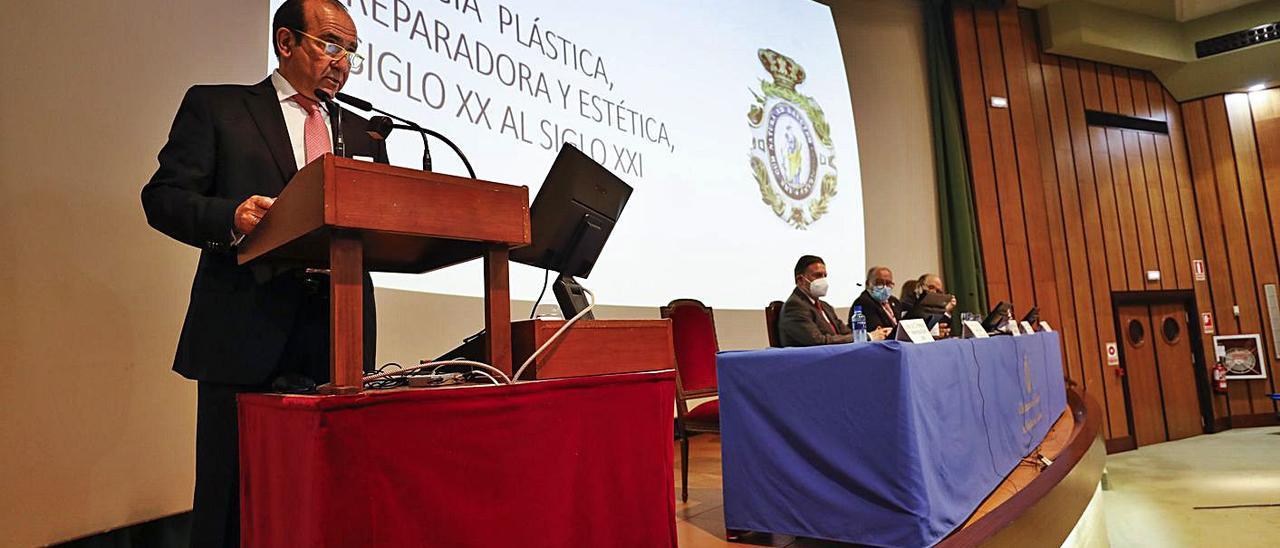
[986, 428]
[387, 382]
[546, 276]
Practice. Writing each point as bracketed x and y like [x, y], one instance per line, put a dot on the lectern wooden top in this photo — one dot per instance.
[409, 220]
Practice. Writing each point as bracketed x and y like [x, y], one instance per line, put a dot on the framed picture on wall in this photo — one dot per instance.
[1242, 355]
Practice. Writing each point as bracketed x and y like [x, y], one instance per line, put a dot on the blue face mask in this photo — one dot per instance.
[880, 293]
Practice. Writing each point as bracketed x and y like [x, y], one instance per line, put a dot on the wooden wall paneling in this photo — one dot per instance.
[1265, 106]
[1141, 107]
[1181, 276]
[981, 164]
[1098, 273]
[1120, 181]
[1128, 218]
[1091, 358]
[1107, 211]
[1008, 190]
[1042, 274]
[1239, 257]
[1191, 223]
[1124, 94]
[1162, 259]
[1065, 321]
[1106, 87]
[1141, 206]
[1136, 182]
[1258, 230]
[1215, 244]
[1159, 218]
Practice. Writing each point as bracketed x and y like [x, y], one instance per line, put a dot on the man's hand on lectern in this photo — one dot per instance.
[250, 212]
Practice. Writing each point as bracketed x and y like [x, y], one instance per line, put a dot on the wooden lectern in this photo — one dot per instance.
[350, 215]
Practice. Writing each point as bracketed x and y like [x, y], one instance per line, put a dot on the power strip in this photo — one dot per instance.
[442, 379]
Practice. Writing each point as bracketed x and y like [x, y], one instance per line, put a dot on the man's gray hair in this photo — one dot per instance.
[871, 274]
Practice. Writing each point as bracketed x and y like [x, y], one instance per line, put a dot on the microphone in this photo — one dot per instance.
[384, 129]
[356, 103]
[335, 122]
[366, 106]
[379, 128]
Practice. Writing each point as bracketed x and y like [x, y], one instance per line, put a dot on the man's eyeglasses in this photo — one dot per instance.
[335, 51]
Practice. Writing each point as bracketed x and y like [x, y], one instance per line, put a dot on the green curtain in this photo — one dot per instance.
[961, 249]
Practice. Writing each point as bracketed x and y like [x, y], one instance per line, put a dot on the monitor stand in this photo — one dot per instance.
[571, 299]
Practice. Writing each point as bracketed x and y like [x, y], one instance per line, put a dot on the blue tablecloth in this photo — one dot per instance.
[885, 444]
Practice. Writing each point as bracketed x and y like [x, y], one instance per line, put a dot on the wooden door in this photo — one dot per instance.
[1144, 378]
[1176, 366]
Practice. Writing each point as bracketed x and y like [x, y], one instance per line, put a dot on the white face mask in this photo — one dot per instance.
[818, 288]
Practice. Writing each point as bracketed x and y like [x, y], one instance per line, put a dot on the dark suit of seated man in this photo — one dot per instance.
[881, 308]
[929, 283]
[805, 319]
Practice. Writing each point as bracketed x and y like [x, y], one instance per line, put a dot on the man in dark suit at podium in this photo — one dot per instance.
[231, 150]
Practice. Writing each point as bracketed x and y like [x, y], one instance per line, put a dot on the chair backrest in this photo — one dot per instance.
[771, 313]
[693, 330]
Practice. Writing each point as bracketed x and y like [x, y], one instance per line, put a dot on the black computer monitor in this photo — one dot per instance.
[571, 219]
[1033, 316]
[997, 316]
[929, 304]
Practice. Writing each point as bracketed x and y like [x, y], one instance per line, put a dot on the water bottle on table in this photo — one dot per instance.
[859, 321]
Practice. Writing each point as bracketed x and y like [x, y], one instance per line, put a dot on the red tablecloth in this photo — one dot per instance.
[569, 462]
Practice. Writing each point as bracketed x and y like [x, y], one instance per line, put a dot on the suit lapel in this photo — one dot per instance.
[265, 109]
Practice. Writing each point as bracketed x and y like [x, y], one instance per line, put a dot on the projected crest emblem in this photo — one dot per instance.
[792, 157]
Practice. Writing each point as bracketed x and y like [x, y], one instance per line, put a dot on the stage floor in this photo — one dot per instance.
[1210, 490]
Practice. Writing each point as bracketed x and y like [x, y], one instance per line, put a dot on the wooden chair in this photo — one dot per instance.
[693, 330]
[771, 314]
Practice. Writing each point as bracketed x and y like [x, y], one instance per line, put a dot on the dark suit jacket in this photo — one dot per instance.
[229, 142]
[876, 317]
[800, 325]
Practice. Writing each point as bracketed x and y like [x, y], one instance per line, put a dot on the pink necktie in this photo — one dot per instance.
[315, 135]
[889, 311]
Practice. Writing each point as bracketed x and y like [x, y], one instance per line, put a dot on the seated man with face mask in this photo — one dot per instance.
[878, 304]
[805, 319]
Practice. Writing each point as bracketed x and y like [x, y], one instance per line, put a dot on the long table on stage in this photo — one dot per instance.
[883, 444]
[583, 461]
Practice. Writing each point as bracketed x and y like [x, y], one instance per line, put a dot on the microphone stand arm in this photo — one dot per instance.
[335, 122]
[335, 125]
[411, 125]
[425, 132]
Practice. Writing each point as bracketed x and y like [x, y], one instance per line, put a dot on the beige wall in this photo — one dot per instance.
[884, 53]
[95, 431]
